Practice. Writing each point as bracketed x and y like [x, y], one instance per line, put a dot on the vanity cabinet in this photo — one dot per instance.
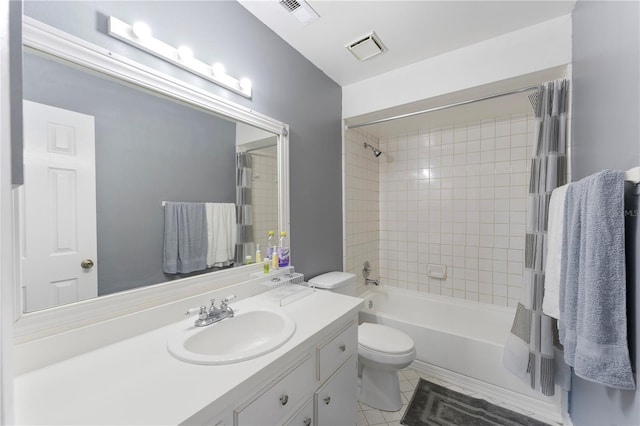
[335, 401]
[274, 403]
[303, 417]
[318, 389]
[311, 380]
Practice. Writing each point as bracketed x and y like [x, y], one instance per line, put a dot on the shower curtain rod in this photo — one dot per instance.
[439, 108]
[257, 149]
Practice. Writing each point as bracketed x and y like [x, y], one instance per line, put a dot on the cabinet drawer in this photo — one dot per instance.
[336, 400]
[336, 351]
[277, 401]
[303, 417]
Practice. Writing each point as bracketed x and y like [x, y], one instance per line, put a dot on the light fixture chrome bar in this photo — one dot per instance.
[124, 32]
[440, 108]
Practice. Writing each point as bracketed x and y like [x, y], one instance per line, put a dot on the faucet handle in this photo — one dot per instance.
[202, 310]
[227, 299]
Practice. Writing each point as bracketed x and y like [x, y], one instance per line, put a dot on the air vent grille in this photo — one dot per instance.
[366, 47]
[300, 10]
[364, 41]
[290, 5]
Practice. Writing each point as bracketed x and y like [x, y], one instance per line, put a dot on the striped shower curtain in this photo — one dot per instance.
[532, 342]
[244, 209]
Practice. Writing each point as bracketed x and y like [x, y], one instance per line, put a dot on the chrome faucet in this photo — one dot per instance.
[366, 270]
[213, 314]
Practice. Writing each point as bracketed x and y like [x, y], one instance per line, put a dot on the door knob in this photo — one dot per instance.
[87, 264]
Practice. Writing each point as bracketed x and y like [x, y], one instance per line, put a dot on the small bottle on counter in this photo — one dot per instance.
[271, 243]
[258, 254]
[266, 265]
[248, 260]
[283, 250]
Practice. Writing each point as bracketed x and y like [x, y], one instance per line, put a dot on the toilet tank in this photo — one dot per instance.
[338, 282]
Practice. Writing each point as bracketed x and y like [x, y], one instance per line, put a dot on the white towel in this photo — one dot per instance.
[553, 260]
[221, 234]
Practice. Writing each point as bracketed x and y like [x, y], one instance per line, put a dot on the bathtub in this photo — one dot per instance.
[458, 341]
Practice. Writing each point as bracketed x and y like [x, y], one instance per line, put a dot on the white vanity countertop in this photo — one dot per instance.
[137, 381]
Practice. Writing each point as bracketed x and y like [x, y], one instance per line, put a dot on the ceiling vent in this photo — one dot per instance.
[366, 47]
[300, 10]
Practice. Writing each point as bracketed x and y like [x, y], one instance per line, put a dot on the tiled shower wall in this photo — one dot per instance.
[454, 196]
[264, 195]
[361, 205]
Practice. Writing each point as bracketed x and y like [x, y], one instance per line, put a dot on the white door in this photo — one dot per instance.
[57, 210]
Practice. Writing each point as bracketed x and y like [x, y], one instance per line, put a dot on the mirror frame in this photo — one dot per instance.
[50, 41]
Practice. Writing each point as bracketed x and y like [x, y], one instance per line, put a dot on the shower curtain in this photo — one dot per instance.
[532, 342]
[244, 209]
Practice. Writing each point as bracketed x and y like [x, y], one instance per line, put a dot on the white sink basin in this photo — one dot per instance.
[249, 334]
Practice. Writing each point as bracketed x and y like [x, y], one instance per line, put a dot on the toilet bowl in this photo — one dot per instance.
[382, 350]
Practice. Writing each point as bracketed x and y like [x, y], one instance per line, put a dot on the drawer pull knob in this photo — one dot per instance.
[284, 399]
[307, 421]
[343, 347]
[327, 400]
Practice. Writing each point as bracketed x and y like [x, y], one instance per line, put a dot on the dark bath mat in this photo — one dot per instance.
[433, 405]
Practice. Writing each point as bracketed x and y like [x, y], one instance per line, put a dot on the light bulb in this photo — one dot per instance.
[141, 30]
[245, 84]
[217, 69]
[185, 53]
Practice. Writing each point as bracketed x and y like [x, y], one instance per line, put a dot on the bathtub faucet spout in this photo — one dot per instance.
[367, 281]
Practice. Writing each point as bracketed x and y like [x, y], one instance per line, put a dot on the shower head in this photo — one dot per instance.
[375, 150]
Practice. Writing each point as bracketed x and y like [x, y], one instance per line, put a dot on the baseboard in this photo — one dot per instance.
[544, 411]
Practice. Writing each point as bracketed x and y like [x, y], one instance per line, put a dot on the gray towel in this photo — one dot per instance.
[185, 237]
[593, 318]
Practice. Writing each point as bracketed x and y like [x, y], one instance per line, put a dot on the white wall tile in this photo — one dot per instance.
[467, 212]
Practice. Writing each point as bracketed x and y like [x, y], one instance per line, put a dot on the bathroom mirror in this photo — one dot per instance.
[107, 143]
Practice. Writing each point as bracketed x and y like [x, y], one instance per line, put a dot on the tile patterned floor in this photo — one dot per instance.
[368, 416]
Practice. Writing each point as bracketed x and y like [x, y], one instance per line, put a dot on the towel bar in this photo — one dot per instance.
[632, 175]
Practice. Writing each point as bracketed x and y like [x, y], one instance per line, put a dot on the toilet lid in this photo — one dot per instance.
[381, 338]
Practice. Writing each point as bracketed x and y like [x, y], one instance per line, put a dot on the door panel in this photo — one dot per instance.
[57, 207]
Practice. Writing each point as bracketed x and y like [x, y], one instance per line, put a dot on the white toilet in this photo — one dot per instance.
[382, 350]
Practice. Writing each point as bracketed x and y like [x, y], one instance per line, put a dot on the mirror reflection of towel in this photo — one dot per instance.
[185, 237]
[221, 233]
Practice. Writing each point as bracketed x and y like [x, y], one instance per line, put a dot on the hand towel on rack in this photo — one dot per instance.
[593, 319]
[185, 237]
[221, 232]
[553, 257]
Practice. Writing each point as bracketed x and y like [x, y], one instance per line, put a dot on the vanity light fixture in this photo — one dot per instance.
[139, 35]
[141, 30]
[217, 69]
[245, 84]
[185, 53]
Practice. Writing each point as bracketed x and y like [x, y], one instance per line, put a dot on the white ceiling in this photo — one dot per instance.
[411, 30]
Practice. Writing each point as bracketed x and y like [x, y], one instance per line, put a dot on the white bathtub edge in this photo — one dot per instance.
[543, 411]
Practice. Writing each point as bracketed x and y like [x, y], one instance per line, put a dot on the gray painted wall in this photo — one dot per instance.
[15, 36]
[286, 86]
[606, 135]
[148, 149]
